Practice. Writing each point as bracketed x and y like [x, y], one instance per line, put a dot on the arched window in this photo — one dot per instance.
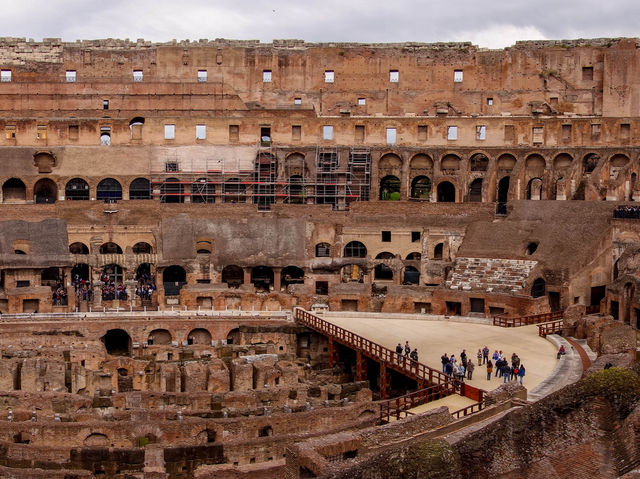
[76, 189]
[291, 275]
[45, 191]
[390, 188]
[110, 248]
[538, 288]
[109, 189]
[421, 188]
[479, 162]
[13, 190]
[142, 248]
[78, 248]
[446, 192]
[117, 342]
[203, 191]
[437, 251]
[171, 191]
[414, 256]
[355, 249]
[140, 189]
[590, 162]
[135, 127]
[323, 250]
[159, 337]
[534, 189]
[233, 276]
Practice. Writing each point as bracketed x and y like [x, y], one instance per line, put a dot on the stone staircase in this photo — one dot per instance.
[490, 275]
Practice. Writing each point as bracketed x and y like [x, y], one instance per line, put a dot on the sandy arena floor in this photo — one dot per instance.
[433, 338]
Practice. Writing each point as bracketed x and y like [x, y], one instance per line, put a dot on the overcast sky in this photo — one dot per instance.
[487, 23]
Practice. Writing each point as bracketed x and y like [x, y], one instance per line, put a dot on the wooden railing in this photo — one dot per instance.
[550, 328]
[422, 373]
[465, 411]
[506, 322]
[399, 407]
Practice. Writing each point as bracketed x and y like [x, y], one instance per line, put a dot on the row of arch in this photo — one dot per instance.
[110, 247]
[356, 249]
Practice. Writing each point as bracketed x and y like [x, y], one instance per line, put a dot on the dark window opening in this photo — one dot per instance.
[477, 305]
[415, 236]
[323, 250]
[322, 288]
[386, 236]
[437, 251]
[587, 73]
[538, 288]
[532, 247]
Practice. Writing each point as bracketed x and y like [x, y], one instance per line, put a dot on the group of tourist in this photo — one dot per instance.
[507, 369]
[412, 354]
[145, 287]
[627, 211]
[82, 288]
[59, 293]
[464, 367]
[110, 290]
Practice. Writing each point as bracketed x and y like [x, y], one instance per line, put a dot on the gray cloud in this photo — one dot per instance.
[489, 23]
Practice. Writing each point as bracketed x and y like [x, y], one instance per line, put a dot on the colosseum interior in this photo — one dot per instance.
[184, 224]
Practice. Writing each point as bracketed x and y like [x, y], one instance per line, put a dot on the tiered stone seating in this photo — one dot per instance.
[488, 274]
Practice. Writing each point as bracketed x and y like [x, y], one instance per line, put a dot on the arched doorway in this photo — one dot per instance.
[390, 188]
[438, 251]
[421, 188]
[503, 189]
[159, 337]
[291, 275]
[475, 191]
[76, 189]
[140, 189]
[446, 192]
[171, 191]
[382, 272]
[534, 189]
[109, 190]
[13, 190]
[262, 278]
[233, 275]
[45, 191]
[538, 288]
[173, 279]
[199, 336]
[117, 342]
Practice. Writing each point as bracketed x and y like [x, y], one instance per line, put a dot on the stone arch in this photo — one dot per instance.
[109, 189]
[76, 189]
[233, 275]
[534, 189]
[110, 248]
[171, 191]
[45, 191]
[199, 336]
[117, 342]
[262, 277]
[78, 248]
[535, 165]
[160, 337]
[355, 249]
[382, 272]
[142, 247]
[438, 251]
[415, 256]
[421, 164]
[140, 189]
[475, 191]
[96, 439]
[562, 162]
[291, 275]
[323, 250]
[14, 190]
[538, 288]
[446, 192]
[450, 164]
[389, 162]
[590, 162]
[421, 188]
[506, 163]
[479, 162]
[295, 165]
[617, 162]
[390, 188]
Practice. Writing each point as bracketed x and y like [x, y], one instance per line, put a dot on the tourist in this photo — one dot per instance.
[495, 356]
[407, 348]
[448, 368]
[470, 368]
[506, 371]
[489, 369]
[521, 372]
[399, 352]
[485, 354]
[463, 357]
[460, 373]
[414, 354]
[479, 356]
[561, 352]
[444, 359]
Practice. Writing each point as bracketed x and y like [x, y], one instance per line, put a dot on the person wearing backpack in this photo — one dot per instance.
[521, 372]
[489, 369]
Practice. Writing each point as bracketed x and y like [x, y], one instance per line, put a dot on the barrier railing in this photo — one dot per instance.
[398, 362]
[399, 407]
[466, 411]
[507, 322]
[550, 328]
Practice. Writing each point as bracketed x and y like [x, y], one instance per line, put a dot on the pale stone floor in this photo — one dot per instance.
[433, 338]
